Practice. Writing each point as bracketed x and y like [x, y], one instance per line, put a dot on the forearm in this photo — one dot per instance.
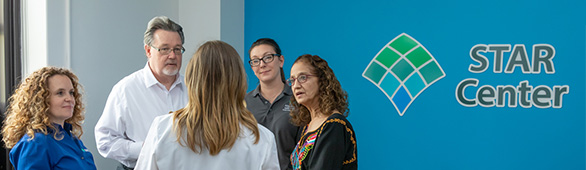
[117, 147]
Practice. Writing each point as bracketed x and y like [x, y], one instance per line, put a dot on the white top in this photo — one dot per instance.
[132, 106]
[162, 151]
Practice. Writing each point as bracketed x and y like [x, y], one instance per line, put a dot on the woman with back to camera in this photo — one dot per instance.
[270, 101]
[43, 123]
[214, 130]
[320, 107]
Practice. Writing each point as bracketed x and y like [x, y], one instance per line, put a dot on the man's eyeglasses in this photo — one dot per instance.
[267, 59]
[301, 79]
[165, 51]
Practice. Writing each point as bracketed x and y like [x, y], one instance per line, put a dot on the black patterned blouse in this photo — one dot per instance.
[331, 146]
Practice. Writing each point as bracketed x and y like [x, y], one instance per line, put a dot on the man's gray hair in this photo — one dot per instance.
[164, 23]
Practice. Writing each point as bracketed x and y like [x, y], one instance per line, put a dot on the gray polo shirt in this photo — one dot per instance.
[275, 117]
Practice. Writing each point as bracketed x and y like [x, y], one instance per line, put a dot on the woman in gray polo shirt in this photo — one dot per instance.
[270, 101]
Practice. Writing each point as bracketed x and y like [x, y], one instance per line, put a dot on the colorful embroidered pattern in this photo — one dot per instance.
[306, 144]
[300, 152]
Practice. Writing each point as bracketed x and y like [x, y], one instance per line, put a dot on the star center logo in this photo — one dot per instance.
[402, 70]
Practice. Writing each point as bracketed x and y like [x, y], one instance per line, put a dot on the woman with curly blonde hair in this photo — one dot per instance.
[43, 123]
[320, 107]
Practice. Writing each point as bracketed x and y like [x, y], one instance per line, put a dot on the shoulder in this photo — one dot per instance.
[161, 128]
[337, 119]
[30, 152]
[287, 90]
[40, 140]
[130, 80]
[264, 132]
[253, 93]
[337, 123]
[163, 122]
[39, 137]
[249, 96]
[130, 85]
[265, 136]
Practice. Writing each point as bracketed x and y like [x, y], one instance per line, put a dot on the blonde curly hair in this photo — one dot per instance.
[29, 107]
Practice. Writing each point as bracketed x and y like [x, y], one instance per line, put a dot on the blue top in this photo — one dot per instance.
[46, 152]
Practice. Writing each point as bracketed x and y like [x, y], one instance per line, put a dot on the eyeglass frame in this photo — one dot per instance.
[272, 56]
[291, 81]
[162, 51]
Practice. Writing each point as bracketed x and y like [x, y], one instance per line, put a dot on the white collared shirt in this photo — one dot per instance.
[133, 104]
[162, 151]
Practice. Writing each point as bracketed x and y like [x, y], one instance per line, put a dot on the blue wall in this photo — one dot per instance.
[436, 131]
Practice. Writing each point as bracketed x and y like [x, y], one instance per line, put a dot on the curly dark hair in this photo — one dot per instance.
[29, 107]
[331, 95]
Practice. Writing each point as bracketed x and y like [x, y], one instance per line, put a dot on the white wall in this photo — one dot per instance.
[34, 36]
[106, 45]
[58, 41]
[202, 19]
[232, 24]
[212, 20]
[104, 39]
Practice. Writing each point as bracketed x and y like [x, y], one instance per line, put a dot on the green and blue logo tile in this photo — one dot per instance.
[402, 70]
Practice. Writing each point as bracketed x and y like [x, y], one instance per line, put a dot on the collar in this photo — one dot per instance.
[286, 90]
[66, 127]
[256, 91]
[150, 80]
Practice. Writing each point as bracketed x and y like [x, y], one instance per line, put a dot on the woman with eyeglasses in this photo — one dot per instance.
[270, 101]
[320, 107]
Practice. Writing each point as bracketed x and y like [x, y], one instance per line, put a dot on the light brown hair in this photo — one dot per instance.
[216, 86]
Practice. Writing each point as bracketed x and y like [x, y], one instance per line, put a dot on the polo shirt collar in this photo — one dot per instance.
[65, 128]
[286, 90]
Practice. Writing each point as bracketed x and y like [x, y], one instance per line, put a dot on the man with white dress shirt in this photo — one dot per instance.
[138, 98]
